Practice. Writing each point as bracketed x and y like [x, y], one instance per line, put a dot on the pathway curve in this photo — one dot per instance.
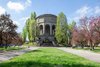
[11, 54]
[83, 53]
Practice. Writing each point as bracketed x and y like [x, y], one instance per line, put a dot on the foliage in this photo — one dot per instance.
[7, 30]
[27, 28]
[17, 40]
[71, 27]
[61, 29]
[87, 33]
[31, 27]
[24, 34]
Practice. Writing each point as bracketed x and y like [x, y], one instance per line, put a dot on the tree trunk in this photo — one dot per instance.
[82, 45]
[92, 46]
[1, 37]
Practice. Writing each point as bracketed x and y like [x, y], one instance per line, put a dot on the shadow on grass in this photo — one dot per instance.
[10, 48]
[96, 50]
[40, 64]
[36, 51]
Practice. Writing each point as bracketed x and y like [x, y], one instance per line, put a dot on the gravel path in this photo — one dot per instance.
[83, 53]
[10, 54]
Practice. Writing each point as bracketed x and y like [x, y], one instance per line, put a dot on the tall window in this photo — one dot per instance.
[41, 29]
[53, 29]
[47, 29]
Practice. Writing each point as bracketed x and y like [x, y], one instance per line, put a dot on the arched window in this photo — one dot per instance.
[53, 29]
[41, 29]
[47, 29]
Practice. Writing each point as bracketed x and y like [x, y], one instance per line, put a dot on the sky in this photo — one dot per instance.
[20, 10]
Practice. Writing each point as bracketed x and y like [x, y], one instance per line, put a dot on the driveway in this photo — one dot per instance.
[11, 54]
[83, 53]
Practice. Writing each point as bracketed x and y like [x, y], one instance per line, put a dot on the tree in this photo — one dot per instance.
[58, 33]
[61, 29]
[90, 27]
[31, 27]
[71, 27]
[7, 29]
[75, 36]
[17, 40]
[27, 28]
[95, 27]
[24, 34]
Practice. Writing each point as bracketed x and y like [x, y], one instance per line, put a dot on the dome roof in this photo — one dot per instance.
[46, 15]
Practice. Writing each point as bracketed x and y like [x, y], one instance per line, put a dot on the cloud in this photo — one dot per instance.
[19, 25]
[22, 24]
[97, 10]
[86, 11]
[2, 10]
[83, 11]
[17, 6]
[16, 22]
[28, 3]
[24, 18]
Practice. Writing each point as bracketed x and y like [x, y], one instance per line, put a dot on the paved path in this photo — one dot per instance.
[83, 53]
[10, 54]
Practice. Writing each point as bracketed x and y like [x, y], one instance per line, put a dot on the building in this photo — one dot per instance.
[46, 24]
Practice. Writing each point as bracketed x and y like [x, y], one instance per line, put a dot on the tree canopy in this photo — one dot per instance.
[61, 29]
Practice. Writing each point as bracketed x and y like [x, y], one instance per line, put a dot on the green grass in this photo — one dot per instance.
[96, 50]
[48, 57]
[10, 48]
[30, 44]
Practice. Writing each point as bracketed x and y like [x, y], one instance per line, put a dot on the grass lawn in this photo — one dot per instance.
[48, 57]
[10, 48]
[96, 50]
[30, 44]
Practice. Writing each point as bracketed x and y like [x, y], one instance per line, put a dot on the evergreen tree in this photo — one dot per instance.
[31, 27]
[24, 34]
[27, 28]
[58, 33]
[61, 33]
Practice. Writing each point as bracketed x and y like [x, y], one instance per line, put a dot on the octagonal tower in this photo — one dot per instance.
[46, 24]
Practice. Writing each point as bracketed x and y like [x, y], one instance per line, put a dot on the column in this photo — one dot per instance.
[50, 29]
[43, 29]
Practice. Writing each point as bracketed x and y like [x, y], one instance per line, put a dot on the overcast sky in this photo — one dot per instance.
[74, 9]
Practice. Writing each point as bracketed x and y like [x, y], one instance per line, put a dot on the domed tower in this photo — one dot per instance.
[46, 24]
